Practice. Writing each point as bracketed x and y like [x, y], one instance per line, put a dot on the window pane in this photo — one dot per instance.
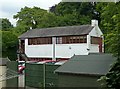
[95, 40]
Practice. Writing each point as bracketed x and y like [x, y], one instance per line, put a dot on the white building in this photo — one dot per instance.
[61, 42]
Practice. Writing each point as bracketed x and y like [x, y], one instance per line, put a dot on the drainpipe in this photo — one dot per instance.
[88, 43]
[54, 43]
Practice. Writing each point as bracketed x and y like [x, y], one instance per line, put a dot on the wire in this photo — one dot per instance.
[8, 74]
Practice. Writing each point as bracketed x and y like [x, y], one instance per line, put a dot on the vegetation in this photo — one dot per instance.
[110, 22]
[65, 14]
[75, 13]
[9, 40]
[9, 45]
[6, 25]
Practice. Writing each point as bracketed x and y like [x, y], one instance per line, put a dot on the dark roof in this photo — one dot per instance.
[92, 64]
[3, 61]
[57, 31]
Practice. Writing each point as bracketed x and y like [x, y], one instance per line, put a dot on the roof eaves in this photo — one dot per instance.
[81, 73]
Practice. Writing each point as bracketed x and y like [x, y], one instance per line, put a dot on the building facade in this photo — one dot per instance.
[61, 42]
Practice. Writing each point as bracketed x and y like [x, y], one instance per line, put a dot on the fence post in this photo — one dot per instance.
[44, 75]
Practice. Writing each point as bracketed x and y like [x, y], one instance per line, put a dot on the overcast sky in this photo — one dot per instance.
[8, 8]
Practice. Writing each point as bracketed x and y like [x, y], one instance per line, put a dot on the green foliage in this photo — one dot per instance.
[47, 20]
[9, 39]
[6, 25]
[110, 23]
[30, 17]
[74, 13]
[113, 76]
[112, 79]
[113, 43]
[82, 8]
[63, 14]
[19, 30]
[9, 45]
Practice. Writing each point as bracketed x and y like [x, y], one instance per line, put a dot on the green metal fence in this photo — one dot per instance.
[40, 75]
[50, 77]
[33, 74]
[12, 82]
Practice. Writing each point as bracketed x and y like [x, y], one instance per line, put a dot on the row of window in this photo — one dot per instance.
[36, 41]
[62, 40]
[71, 39]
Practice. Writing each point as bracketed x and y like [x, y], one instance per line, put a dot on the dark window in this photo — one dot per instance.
[71, 39]
[38, 41]
[95, 40]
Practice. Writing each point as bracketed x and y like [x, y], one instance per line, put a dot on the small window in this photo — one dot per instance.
[95, 40]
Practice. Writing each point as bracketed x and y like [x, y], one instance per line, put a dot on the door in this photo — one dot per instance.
[100, 44]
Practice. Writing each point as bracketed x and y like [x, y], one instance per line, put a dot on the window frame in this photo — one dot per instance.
[71, 39]
[39, 40]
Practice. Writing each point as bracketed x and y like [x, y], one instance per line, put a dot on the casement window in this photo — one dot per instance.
[71, 39]
[38, 41]
[95, 40]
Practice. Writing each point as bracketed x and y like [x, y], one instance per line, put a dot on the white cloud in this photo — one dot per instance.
[8, 8]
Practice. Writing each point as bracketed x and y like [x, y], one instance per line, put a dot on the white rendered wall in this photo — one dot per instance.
[96, 32]
[38, 51]
[94, 48]
[68, 50]
[63, 50]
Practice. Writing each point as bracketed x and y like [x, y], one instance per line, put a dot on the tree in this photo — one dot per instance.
[63, 14]
[75, 13]
[110, 22]
[8, 40]
[71, 7]
[9, 45]
[47, 20]
[6, 24]
[30, 16]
